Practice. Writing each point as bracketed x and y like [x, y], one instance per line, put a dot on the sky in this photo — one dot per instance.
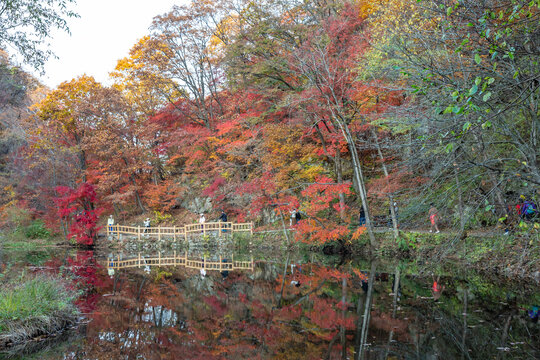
[103, 34]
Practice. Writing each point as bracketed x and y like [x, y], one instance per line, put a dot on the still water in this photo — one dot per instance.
[289, 306]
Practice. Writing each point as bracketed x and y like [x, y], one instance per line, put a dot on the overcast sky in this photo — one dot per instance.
[104, 33]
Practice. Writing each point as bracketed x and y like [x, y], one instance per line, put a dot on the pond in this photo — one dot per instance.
[288, 306]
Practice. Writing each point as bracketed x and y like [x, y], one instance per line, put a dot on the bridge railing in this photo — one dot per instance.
[178, 260]
[179, 232]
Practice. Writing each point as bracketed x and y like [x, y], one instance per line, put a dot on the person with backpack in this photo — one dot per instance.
[528, 210]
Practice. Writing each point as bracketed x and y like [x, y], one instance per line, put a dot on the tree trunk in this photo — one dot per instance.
[390, 196]
[394, 308]
[339, 173]
[357, 167]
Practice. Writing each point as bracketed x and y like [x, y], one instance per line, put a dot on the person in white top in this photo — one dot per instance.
[146, 224]
[110, 223]
[202, 220]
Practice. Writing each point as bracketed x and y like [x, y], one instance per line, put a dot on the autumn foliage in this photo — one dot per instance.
[77, 207]
[264, 108]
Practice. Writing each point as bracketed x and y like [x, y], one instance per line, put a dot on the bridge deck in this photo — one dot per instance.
[179, 232]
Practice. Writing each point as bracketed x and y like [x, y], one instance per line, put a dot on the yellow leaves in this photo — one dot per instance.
[367, 7]
[313, 172]
[225, 30]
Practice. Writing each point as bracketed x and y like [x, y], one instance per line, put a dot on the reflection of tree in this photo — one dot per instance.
[186, 316]
[361, 342]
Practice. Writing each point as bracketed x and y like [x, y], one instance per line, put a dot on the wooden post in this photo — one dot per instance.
[174, 233]
[252, 267]
[159, 233]
[139, 264]
[185, 254]
[139, 232]
[204, 229]
[174, 258]
[118, 263]
[220, 264]
[251, 228]
[219, 233]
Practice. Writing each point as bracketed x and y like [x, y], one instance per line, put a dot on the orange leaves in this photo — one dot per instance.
[358, 232]
[322, 207]
[361, 275]
[311, 231]
[161, 197]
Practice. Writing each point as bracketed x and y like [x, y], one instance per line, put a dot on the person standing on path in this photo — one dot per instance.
[146, 224]
[436, 288]
[293, 218]
[223, 218]
[434, 218]
[202, 220]
[110, 223]
[362, 217]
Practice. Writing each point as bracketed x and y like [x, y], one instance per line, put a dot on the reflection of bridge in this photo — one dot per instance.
[175, 232]
[175, 260]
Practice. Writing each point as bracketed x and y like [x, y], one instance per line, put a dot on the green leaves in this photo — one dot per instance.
[477, 58]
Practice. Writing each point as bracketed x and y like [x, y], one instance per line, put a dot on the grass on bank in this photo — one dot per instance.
[38, 306]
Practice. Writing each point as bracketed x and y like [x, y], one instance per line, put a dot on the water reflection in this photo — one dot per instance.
[293, 307]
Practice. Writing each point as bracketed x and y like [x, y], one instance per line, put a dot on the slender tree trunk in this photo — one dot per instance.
[394, 308]
[390, 196]
[358, 334]
[357, 168]
[284, 228]
[339, 173]
[397, 279]
[367, 313]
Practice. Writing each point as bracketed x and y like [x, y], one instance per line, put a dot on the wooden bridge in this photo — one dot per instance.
[176, 260]
[179, 232]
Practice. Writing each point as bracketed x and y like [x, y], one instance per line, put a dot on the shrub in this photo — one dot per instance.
[37, 230]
